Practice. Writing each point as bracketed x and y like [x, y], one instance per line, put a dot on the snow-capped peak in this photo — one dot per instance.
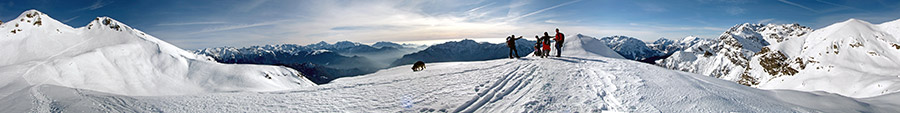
[630, 48]
[853, 58]
[689, 39]
[109, 56]
[30, 14]
[891, 27]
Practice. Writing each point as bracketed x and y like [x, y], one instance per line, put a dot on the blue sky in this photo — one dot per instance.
[214, 23]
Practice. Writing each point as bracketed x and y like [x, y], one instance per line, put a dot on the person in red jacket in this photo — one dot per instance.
[546, 46]
[559, 42]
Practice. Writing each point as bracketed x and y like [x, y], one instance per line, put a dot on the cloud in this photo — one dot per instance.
[550, 21]
[250, 5]
[479, 7]
[735, 10]
[374, 27]
[652, 8]
[410, 21]
[70, 19]
[765, 20]
[669, 28]
[96, 5]
[233, 27]
[542, 10]
[188, 23]
[839, 5]
[798, 5]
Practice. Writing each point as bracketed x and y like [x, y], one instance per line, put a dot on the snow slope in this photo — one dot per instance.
[853, 58]
[586, 46]
[581, 81]
[112, 57]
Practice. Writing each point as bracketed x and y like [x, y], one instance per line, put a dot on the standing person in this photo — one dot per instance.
[546, 42]
[511, 43]
[559, 42]
[537, 46]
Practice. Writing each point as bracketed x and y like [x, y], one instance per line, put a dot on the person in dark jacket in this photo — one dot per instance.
[511, 43]
[537, 46]
[546, 44]
[559, 42]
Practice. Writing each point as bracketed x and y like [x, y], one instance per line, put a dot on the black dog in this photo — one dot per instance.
[418, 66]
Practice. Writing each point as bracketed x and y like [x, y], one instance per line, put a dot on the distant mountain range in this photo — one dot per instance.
[465, 50]
[321, 62]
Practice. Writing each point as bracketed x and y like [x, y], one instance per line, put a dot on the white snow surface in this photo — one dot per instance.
[111, 57]
[584, 80]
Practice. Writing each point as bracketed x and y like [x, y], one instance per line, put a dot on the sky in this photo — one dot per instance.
[195, 24]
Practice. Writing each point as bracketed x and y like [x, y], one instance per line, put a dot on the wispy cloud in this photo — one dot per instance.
[839, 5]
[479, 7]
[553, 21]
[542, 10]
[233, 27]
[669, 28]
[798, 5]
[250, 5]
[96, 5]
[70, 19]
[765, 20]
[652, 7]
[735, 10]
[188, 23]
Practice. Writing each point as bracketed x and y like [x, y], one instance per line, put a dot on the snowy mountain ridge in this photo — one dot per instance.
[630, 48]
[728, 56]
[112, 57]
[853, 58]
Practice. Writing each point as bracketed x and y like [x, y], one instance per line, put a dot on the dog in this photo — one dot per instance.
[418, 66]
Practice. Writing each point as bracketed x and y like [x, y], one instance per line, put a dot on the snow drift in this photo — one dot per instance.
[112, 57]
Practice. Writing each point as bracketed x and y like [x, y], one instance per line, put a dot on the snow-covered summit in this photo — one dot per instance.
[853, 58]
[583, 45]
[728, 56]
[112, 57]
[891, 27]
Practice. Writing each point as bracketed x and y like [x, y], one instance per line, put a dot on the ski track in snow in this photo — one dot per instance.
[51, 57]
[522, 85]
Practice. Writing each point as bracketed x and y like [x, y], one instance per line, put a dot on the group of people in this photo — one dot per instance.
[541, 48]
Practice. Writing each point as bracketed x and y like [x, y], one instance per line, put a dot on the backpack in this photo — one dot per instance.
[559, 37]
